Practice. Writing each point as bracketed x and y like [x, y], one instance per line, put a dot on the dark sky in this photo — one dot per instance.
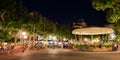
[67, 11]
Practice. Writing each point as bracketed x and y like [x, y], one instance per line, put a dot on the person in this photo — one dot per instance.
[113, 47]
[1, 49]
[100, 46]
[116, 46]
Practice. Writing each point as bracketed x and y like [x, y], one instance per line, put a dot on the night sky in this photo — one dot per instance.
[67, 11]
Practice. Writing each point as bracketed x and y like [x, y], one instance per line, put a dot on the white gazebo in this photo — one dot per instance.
[93, 31]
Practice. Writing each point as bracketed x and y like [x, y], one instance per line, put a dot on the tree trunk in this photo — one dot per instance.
[15, 42]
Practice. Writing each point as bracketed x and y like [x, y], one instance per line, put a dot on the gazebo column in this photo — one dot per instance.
[91, 38]
[103, 38]
[106, 38]
[80, 38]
[75, 37]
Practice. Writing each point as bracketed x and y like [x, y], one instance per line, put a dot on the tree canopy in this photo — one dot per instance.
[111, 7]
[14, 17]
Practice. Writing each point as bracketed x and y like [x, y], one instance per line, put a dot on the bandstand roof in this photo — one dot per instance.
[92, 31]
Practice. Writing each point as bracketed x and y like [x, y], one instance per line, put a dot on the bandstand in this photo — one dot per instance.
[87, 36]
[92, 31]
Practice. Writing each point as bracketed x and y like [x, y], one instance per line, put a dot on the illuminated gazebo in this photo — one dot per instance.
[93, 31]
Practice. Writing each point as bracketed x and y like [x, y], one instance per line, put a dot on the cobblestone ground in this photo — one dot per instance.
[60, 54]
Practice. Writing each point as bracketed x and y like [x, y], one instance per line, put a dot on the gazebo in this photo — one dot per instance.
[91, 31]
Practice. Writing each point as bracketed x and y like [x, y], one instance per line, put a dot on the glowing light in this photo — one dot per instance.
[97, 40]
[5, 43]
[85, 39]
[25, 37]
[54, 37]
[112, 36]
[51, 42]
[64, 39]
[23, 33]
[50, 37]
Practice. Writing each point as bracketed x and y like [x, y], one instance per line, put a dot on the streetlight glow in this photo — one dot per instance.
[54, 37]
[64, 39]
[25, 37]
[23, 33]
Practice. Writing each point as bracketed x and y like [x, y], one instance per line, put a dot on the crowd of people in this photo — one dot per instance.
[64, 45]
[11, 49]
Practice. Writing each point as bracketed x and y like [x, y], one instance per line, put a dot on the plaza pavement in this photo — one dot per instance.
[63, 54]
[49, 50]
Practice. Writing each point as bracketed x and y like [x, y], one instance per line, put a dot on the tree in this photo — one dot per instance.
[38, 24]
[12, 15]
[111, 7]
[64, 31]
